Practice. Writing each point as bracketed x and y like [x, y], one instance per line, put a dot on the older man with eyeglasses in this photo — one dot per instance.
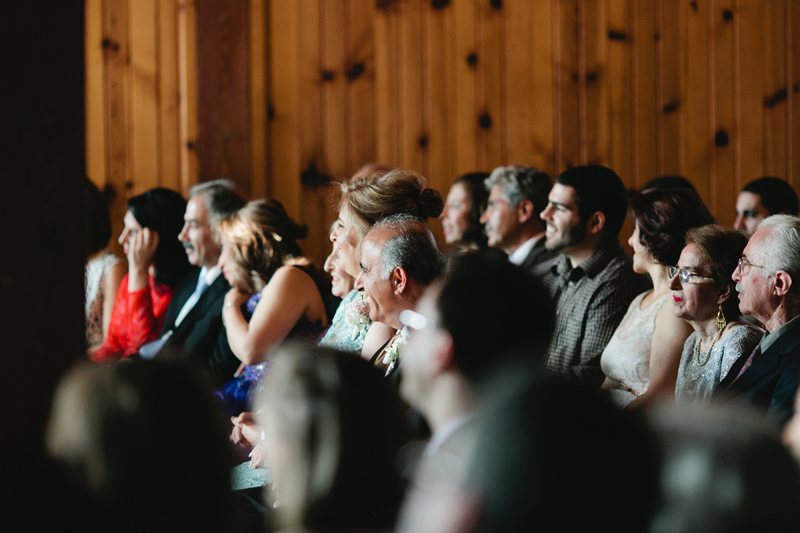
[768, 378]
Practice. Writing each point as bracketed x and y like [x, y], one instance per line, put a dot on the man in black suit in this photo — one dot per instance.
[193, 326]
[768, 378]
[517, 196]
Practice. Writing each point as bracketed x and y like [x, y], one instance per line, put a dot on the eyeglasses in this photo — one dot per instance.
[417, 321]
[685, 276]
[744, 266]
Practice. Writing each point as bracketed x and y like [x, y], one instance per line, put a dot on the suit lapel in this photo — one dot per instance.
[209, 298]
[182, 293]
[768, 361]
[536, 254]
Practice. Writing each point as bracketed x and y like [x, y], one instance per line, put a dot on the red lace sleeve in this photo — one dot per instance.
[136, 320]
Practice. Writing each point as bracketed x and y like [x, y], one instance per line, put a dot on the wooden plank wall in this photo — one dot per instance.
[702, 88]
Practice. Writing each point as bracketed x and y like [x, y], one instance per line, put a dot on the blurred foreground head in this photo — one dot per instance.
[333, 426]
[143, 442]
[724, 471]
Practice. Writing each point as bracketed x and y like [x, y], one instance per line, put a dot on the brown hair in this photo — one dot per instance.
[720, 250]
[262, 238]
[367, 198]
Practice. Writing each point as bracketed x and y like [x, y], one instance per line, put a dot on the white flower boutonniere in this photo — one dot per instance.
[356, 315]
[393, 352]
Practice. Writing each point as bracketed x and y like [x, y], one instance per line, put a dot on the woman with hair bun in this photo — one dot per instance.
[365, 199]
[156, 263]
[641, 359]
[276, 293]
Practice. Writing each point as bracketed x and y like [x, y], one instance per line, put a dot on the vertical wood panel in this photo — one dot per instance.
[595, 16]
[465, 107]
[775, 97]
[440, 72]
[621, 127]
[387, 85]
[541, 89]
[568, 71]
[284, 136]
[117, 121]
[334, 99]
[187, 72]
[491, 71]
[723, 182]
[412, 108]
[95, 93]
[258, 97]
[794, 172]
[750, 20]
[645, 93]
[672, 104]
[144, 105]
[168, 95]
[698, 138]
[520, 81]
[362, 143]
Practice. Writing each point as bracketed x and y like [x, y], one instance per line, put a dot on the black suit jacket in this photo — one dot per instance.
[538, 254]
[770, 384]
[200, 337]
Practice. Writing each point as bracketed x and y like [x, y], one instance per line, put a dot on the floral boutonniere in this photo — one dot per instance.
[393, 352]
[356, 315]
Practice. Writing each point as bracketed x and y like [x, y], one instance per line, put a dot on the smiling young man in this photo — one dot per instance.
[591, 281]
[517, 196]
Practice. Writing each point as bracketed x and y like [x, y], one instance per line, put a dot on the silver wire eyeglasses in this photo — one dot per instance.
[417, 321]
[686, 276]
[744, 266]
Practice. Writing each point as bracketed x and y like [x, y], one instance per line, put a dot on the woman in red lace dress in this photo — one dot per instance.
[156, 263]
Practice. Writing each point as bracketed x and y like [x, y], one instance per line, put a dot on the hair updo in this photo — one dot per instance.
[367, 198]
[261, 238]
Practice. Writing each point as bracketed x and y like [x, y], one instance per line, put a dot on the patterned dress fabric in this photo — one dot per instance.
[136, 320]
[345, 333]
[626, 358]
[696, 383]
[96, 271]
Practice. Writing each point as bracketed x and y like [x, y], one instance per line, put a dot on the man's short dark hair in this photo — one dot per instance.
[221, 198]
[598, 188]
[496, 313]
[777, 196]
[522, 183]
[414, 249]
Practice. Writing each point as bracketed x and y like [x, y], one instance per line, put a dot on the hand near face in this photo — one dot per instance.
[235, 297]
[142, 249]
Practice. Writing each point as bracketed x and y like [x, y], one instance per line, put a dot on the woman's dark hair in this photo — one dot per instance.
[473, 183]
[344, 422]
[664, 216]
[162, 210]
[98, 221]
[720, 250]
[668, 182]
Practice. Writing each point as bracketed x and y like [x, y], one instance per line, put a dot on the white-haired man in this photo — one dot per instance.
[768, 378]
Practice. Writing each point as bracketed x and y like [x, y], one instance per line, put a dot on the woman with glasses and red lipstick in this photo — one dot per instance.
[704, 295]
[641, 359]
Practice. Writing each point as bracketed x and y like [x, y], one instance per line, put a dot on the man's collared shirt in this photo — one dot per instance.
[521, 253]
[771, 336]
[590, 300]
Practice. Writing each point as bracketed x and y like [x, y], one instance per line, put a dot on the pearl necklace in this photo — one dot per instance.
[708, 355]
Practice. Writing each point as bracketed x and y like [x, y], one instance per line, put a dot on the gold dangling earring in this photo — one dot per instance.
[721, 322]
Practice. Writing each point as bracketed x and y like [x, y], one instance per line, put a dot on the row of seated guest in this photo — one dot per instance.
[276, 294]
[642, 356]
[156, 264]
[104, 271]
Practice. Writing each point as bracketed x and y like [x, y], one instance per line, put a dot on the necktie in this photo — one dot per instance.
[747, 363]
[149, 350]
